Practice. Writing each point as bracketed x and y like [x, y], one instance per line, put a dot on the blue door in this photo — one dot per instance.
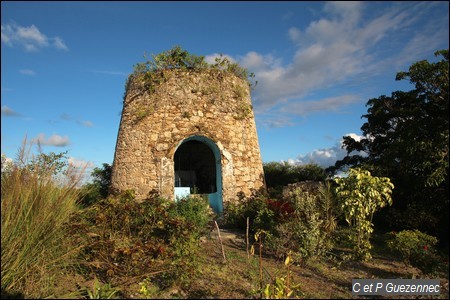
[198, 170]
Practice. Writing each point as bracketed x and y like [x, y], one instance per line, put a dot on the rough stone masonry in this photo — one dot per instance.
[208, 106]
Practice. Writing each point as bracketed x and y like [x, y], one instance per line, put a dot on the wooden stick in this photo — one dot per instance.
[246, 238]
[221, 244]
[260, 266]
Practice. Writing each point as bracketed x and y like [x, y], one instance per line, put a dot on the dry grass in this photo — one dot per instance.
[34, 208]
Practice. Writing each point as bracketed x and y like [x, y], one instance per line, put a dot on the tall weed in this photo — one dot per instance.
[34, 207]
[307, 229]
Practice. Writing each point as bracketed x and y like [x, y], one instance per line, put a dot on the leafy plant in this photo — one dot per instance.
[329, 207]
[102, 291]
[361, 195]
[281, 287]
[415, 248]
[255, 207]
[147, 289]
[303, 230]
[196, 211]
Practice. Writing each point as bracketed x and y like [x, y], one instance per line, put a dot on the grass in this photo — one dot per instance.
[34, 208]
[329, 277]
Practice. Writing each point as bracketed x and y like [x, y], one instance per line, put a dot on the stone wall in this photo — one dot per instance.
[155, 121]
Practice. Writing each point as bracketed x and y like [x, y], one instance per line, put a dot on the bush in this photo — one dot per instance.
[34, 208]
[195, 211]
[127, 238]
[416, 249]
[301, 222]
[305, 230]
[256, 208]
[360, 195]
[281, 174]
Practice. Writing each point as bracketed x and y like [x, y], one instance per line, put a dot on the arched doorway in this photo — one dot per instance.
[198, 170]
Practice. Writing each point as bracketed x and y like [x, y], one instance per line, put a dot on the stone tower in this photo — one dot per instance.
[190, 131]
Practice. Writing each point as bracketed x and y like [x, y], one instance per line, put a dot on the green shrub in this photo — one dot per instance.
[282, 287]
[196, 211]
[416, 249]
[34, 208]
[361, 195]
[255, 208]
[301, 222]
[306, 231]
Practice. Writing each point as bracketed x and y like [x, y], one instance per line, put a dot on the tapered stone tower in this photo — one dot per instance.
[188, 131]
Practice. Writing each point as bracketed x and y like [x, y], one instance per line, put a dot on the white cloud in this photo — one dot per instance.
[5, 37]
[80, 169]
[345, 45]
[328, 104]
[326, 157]
[8, 112]
[276, 122]
[30, 38]
[79, 163]
[53, 140]
[59, 44]
[27, 72]
[294, 34]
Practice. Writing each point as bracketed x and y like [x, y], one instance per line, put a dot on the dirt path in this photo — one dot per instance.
[320, 279]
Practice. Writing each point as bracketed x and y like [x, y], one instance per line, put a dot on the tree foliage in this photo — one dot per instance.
[98, 189]
[102, 178]
[406, 138]
[279, 174]
[360, 195]
[51, 163]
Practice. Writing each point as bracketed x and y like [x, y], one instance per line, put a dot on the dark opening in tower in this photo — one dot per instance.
[195, 167]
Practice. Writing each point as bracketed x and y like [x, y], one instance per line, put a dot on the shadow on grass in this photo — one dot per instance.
[12, 295]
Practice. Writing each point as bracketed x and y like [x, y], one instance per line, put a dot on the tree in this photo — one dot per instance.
[279, 174]
[360, 195]
[99, 187]
[102, 178]
[51, 163]
[406, 138]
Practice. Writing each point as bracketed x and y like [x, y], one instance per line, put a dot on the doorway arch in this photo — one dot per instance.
[198, 170]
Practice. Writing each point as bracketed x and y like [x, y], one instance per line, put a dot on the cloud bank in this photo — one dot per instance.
[328, 156]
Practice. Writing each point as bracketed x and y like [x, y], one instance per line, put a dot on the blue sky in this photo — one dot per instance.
[64, 66]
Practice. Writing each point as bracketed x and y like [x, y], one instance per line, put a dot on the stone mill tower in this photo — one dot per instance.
[185, 130]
